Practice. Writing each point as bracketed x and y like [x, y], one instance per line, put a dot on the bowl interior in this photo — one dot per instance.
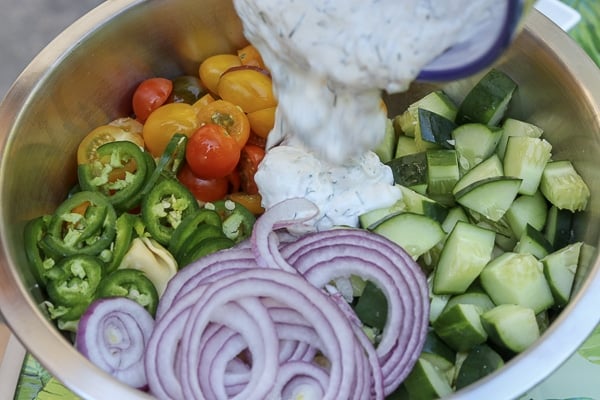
[86, 76]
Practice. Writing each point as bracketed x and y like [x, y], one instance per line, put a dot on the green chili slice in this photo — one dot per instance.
[130, 283]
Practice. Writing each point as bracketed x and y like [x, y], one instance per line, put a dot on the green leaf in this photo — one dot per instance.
[36, 383]
[590, 350]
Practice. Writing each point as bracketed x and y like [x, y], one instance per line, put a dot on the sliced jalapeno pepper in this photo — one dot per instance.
[122, 242]
[130, 283]
[119, 172]
[39, 261]
[165, 206]
[238, 221]
[75, 280]
[132, 204]
[190, 225]
[205, 247]
[82, 224]
[169, 163]
[195, 239]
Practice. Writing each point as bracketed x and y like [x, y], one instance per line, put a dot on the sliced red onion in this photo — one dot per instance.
[112, 334]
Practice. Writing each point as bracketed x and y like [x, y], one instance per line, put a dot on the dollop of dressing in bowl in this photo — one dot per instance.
[330, 60]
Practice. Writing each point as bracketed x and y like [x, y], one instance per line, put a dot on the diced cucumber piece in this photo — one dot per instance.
[560, 268]
[387, 148]
[488, 100]
[369, 219]
[526, 158]
[410, 169]
[466, 252]
[436, 101]
[489, 168]
[460, 327]
[533, 242]
[426, 381]
[435, 345]
[514, 278]
[490, 197]
[512, 326]
[434, 130]
[442, 171]
[420, 204]
[447, 367]
[527, 209]
[515, 127]
[559, 227]
[371, 307]
[564, 187]
[415, 233]
[405, 145]
[478, 298]
[474, 143]
[481, 361]
[455, 214]
[587, 255]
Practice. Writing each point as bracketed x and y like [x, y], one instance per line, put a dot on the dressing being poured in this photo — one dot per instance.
[330, 61]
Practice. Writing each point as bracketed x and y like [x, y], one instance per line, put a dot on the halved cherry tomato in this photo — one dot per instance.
[128, 125]
[86, 152]
[229, 116]
[251, 201]
[166, 121]
[211, 152]
[212, 68]
[149, 95]
[249, 55]
[262, 121]
[248, 87]
[250, 158]
[203, 189]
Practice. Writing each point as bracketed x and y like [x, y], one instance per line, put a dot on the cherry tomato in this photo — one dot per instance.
[211, 152]
[203, 189]
[149, 95]
[86, 152]
[212, 68]
[203, 101]
[248, 87]
[249, 55]
[262, 121]
[128, 125]
[166, 121]
[251, 201]
[229, 116]
[250, 158]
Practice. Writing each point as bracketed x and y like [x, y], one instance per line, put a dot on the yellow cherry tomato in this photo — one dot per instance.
[248, 87]
[251, 201]
[203, 102]
[229, 116]
[86, 151]
[213, 67]
[262, 121]
[166, 121]
[128, 124]
[249, 55]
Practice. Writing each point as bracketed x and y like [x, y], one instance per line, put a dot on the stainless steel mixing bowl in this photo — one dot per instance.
[85, 77]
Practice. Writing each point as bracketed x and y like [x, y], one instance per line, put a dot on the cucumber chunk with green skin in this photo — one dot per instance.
[418, 203]
[515, 127]
[437, 302]
[466, 252]
[527, 209]
[442, 171]
[405, 145]
[564, 187]
[409, 170]
[371, 307]
[477, 298]
[436, 101]
[489, 168]
[426, 381]
[386, 149]
[559, 227]
[460, 327]
[560, 268]
[481, 361]
[435, 129]
[474, 143]
[415, 233]
[514, 278]
[439, 362]
[434, 345]
[454, 214]
[511, 326]
[371, 218]
[533, 242]
[488, 100]
[526, 158]
[490, 197]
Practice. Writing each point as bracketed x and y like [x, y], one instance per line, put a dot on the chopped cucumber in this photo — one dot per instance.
[490, 197]
[533, 242]
[435, 345]
[446, 366]
[442, 171]
[371, 218]
[481, 361]
[488, 100]
[478, 298]
[564, 187]
[436, 101]
[512, 326]
[420, 204]
[560, 268]
[371, 307]
[559, 227]
[474, 143]
[466, 252]
[434, 130]
[489, 168]
[460, 327]
[515, 127]
[386, 149]
[426, 381]
[409, 170]
[514, 278]
[405, 145]
[526, 158]
[454, 214]
[527, 209]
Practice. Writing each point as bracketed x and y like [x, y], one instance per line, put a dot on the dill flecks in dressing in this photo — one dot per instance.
[330, 60]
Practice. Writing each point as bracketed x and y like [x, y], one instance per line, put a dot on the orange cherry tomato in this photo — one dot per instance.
[128, 125]
[262, 121]
[149, 95]
[249, 55]
[253, 202]
[166, 121]
[248, 87]
[203, 189]
[86, 152]
[229, 116]
[213, 67]
[211, 152]
[203, 101]
[250, 158]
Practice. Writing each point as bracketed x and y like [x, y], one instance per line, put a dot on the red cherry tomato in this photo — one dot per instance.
[203, 189]
[149, 95]
[250, 158]
[211, 152]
